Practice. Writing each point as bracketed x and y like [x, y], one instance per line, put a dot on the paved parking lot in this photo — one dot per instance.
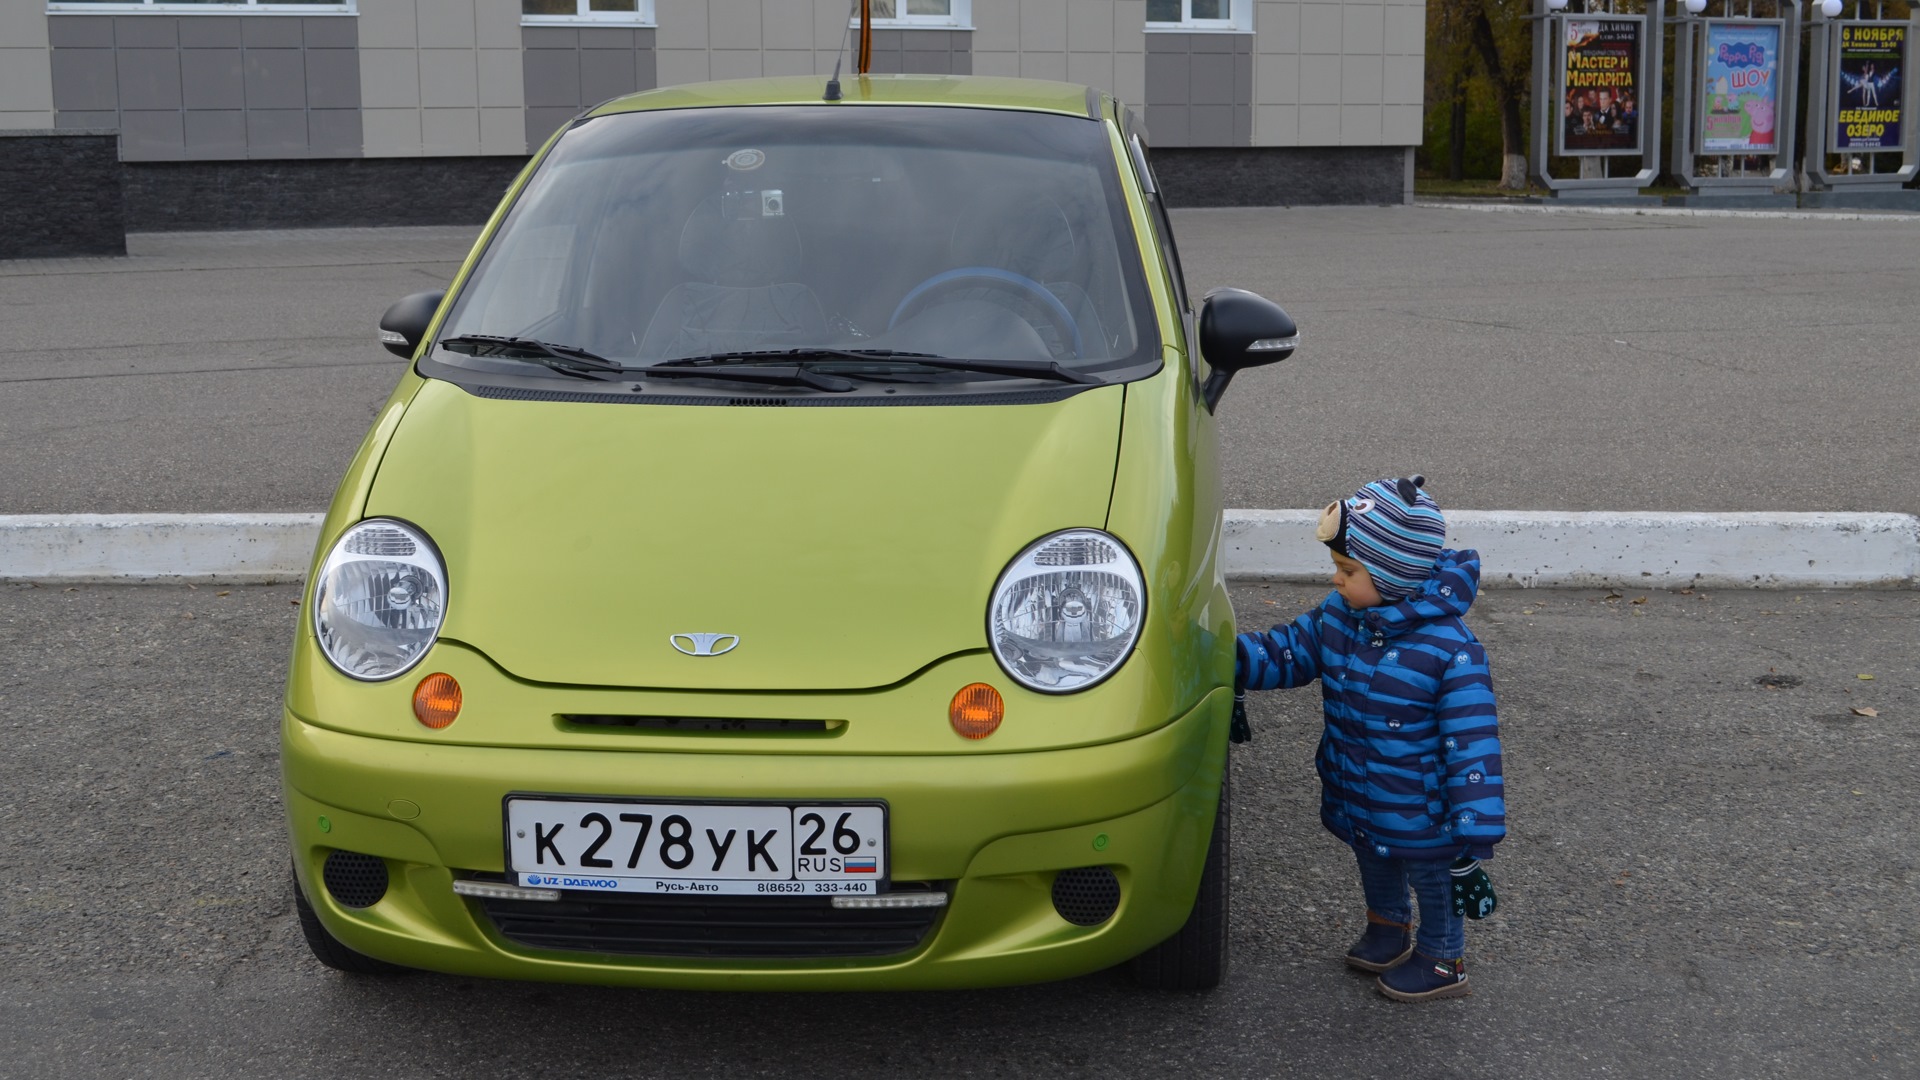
[1705, 878]
[1520, 360]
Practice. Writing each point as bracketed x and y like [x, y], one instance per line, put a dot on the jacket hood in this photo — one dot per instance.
[1446, 594]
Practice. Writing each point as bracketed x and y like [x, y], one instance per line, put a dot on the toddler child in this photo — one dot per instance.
[1409, 761]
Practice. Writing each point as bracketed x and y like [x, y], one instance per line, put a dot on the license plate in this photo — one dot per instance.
[736, 849]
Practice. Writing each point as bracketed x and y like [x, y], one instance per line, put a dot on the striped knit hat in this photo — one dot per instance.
[1391, 527]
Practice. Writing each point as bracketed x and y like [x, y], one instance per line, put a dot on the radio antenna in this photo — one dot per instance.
[833, 84]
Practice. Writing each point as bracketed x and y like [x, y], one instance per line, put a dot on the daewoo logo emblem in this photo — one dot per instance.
[704, 644]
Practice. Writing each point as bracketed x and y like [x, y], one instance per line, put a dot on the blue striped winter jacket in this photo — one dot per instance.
[1410, 760]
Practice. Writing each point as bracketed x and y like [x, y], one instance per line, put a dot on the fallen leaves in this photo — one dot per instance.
[1864, 678]
[1865, 710]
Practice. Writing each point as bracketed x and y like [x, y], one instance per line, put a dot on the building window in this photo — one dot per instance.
[573, 12]
[932, 14]
[202, 7]
[1187, 16]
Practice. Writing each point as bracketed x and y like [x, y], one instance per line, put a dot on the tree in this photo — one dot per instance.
[1502, 37]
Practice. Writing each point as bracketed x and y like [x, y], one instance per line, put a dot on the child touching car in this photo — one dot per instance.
[1409, 762]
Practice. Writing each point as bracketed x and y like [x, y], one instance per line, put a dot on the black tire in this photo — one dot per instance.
[1195, 958]
[328, 950]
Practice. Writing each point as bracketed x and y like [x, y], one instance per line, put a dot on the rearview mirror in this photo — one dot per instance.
[406, 322]
[1238, 330]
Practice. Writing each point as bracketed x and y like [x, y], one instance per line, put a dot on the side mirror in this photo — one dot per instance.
[1240, 329]
[406, 322]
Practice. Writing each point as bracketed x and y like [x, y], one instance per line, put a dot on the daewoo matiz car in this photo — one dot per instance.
[791, 560]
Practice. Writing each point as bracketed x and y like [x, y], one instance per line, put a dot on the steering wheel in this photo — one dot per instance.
[973, 277]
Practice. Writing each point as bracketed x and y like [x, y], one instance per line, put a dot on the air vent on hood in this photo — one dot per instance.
[759, 401]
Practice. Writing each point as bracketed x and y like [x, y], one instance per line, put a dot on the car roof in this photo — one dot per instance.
[964, 91]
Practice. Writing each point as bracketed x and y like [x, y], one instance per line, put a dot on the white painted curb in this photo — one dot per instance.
[1519, 547]
[73, 548]
[1533, 548]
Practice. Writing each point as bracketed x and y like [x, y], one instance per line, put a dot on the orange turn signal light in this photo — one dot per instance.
[436, 701]
[976, 711]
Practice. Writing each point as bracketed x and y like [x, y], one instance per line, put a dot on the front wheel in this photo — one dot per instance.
[328, 949]
[1195, 958]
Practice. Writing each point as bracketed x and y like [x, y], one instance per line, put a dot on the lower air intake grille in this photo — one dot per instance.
[355, 880]
[1086, 896]
[721, 926]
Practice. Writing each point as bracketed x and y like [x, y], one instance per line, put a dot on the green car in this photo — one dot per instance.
[790, 561]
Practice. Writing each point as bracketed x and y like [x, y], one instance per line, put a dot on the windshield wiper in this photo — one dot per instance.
[571, 360]
[1030, 369]
[568, 359]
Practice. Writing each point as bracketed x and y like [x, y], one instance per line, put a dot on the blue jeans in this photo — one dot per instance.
[1442, 934]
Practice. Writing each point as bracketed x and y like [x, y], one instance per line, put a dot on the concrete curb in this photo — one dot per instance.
[1576, 207]
[1520, 547]
[122, 548]
[1533, 548]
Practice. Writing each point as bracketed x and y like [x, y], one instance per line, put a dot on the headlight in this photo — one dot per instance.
[1066, 613]
[379, 599]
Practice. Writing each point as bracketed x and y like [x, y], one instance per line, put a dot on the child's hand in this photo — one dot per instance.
[1237, 730]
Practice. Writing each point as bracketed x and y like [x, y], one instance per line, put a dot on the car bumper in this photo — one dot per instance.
[992, 830]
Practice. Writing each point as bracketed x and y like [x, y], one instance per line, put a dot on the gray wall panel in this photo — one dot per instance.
[85, 79]
[216, 133]
[922, 52]
[146, 32]
[334, 132]
[212, 79]
[276, 133]
[276, 78]
[565, 69]
[271, 32]
[333, 79]
[149, 78]
[1200, 89]
[88, 120]
[155, 136]
[607, 73]
[79, 32]
[330, 33]
[153, 75]
[552, 77]
[213, 32]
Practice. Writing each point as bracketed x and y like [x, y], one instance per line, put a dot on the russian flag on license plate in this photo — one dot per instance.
[860, 866]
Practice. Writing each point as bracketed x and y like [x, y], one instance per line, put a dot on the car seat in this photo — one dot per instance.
[744, 296]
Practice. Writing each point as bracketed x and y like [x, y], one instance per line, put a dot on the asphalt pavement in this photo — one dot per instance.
[1711, 873]
[1522, 361]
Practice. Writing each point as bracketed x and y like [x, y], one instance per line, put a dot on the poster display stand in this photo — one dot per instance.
[1735, 89]
[1860, 109]
[1596, 96]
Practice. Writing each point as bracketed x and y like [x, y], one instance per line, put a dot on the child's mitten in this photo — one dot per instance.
[1238, 731]
[1472, 892]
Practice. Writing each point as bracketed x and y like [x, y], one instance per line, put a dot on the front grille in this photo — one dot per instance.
[702, 724]
[718, 926]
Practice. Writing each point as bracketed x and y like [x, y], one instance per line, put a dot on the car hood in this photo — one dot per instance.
[844, 547]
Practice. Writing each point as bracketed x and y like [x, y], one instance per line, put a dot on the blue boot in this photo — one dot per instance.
[1422, 978]
[1383, 945]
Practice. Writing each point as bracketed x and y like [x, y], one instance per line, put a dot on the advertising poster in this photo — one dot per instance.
[1868, 88]
[1600, 86]
[1741, 94]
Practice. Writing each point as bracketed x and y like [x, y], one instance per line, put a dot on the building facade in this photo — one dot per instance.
[1278, 100]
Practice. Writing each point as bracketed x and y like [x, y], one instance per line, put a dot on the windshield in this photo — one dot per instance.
[960, 233]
